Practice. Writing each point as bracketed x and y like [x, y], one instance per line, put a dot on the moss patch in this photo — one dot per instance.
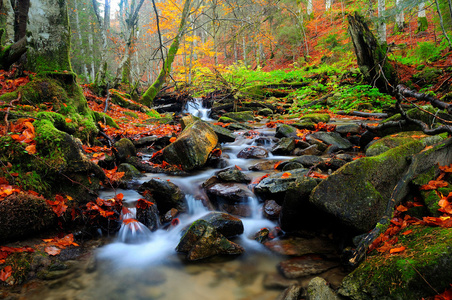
[428, 252]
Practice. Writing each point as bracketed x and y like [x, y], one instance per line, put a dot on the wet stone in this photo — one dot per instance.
[277, 281]
[263, 166]
[233, 175]
[350, 128]
[304, 266]
[271, 209]
[253, 152]
[293, 292]
[311, 150]
[297, 246]
[228, 192]
[226, 224]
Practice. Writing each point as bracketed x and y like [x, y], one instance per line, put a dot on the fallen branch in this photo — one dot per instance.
[404, 91]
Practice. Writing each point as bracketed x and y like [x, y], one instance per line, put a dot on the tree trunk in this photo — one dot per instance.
[49, 36]
[80, 40]
[99, 81]
[381, 22]
[371, 56]
[400, 18]
[309, 8]
[7, 21]
[442, 23]
[151, 92]
[20, 19]
[328, 5]
[422, 23]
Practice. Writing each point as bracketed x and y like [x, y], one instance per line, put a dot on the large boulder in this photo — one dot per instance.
[427, 257]
[284, 130]
[224, 135]
[192, 147]
[357, 194]
[253, 152]
[391, 141]
[241, 116]
[202, 240]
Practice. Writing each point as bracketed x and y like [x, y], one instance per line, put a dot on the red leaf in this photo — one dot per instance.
[286, 174]
[5, 273]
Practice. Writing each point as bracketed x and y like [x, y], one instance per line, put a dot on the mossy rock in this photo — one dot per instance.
[23, 215]
[317, 118]
[428, 256]
[192, 147]
[122, 101]
[427, 76]
[361, 202]
[105, 119]
[125, 149]
[242, 116]
[59, 156]
[388, 142]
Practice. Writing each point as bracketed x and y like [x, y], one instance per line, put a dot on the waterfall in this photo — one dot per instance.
[196, 109]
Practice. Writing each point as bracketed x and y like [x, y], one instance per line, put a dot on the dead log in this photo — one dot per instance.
[371, 56]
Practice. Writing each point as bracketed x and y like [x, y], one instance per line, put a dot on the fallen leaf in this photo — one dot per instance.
[52, 250]
[397, 250]
[407, 232]
[5, 273]
[286, 175]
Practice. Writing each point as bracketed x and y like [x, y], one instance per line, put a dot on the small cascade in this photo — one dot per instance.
[132, 231]
[196, 109]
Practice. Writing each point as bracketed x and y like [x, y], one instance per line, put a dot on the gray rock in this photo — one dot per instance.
[166, 194]
[253, 152]
[265, 112]
[307, 160]
[241, 116]
[271, 209]
[304, 266]
[275, 186]
[226, 224]
[293, 292]
[263, 165]
[332, 138]
[228, 192]
[284, 130]
[202, 240]
[350, 128]
[125, 149]
[233, 175]
[311, 150]
[284, 146]
[224, 135]
[318, 289]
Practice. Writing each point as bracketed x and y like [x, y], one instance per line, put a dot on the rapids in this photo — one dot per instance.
[140, 264]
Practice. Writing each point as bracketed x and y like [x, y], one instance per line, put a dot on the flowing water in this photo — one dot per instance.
[140, 264]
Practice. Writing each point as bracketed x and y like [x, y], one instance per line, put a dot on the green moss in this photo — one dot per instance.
[104, 118]
[316, 118]
[153, 114]
[422, 24]
[131, 114]
[428, 252]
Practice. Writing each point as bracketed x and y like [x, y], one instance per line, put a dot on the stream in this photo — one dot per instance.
[150, 268]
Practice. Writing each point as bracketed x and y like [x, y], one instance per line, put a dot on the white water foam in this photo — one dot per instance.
[196, 109]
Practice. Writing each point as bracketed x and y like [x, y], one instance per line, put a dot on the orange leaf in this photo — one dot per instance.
[52, 250]
[397, 250]
[5, 273]
[407, 232]
[286, 174]
[433, 185]
[277, 164]
[172, 139]
[68, 120]
[401, 208]
[31, 149]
